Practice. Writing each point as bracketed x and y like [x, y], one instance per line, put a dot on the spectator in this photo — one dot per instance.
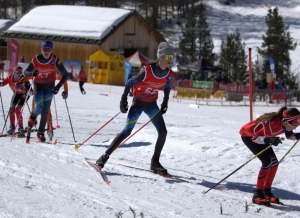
[193, 76]
[201, 76]
[219, 77]
[262, 87]
[280, 84]
[272, 87]
[82, 79]
[22, 60]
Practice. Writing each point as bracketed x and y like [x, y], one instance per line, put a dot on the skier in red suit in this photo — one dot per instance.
[259, 134]
[20, 87]
[146, 86]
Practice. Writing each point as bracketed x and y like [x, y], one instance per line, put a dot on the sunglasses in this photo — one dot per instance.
[46, 49]
[168, 57]
[292, 126]
[17, 75]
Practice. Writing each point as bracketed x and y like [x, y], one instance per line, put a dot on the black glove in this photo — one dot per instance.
[273, 140]
[56, 89]
[297, 135]
[34, 73]
[163, 107]
[124, 106]
[64, 94]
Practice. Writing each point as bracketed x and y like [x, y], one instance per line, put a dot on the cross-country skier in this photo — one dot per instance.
[43, 68]
[20, 87]
[146, 86]
[259, 134]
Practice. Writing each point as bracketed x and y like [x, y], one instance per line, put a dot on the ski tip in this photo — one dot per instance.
[55, 142]
[108, 182]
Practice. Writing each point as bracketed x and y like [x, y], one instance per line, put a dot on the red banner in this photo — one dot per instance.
[14, 54]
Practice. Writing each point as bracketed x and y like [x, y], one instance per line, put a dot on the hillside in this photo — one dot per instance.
[249, 18]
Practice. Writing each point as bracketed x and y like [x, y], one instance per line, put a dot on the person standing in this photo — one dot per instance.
[262, 87]
[259, 134]
[272, 88]
[146, 85]
[280, 84]
[43, 70]
[22, 59]
[81, 76]
[20, 87]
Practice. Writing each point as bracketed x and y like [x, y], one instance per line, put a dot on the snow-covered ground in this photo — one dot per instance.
[203, 146]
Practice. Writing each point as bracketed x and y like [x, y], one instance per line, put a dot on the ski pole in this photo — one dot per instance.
[80, 144]
[6, 119]
[2, 109]
[57, 126]
[70, 120]
[289, 151]
[137, 130]
[239, 168]
[12, 100]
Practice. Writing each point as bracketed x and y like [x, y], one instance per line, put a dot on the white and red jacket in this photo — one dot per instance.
[147, 90]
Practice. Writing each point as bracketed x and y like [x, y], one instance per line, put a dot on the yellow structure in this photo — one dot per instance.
[106, 67]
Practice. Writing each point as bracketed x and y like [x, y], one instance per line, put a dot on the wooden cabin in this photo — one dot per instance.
[131, 33]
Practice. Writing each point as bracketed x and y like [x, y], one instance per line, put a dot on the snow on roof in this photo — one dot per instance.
[73, 21]
[5, 23]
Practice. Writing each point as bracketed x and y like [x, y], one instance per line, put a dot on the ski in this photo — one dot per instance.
[98, 172]
[169, 176]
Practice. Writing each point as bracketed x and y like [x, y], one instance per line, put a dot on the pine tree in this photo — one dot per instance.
[277, 42]
[205, 44]
[196, 42]
[187, 44]
[233, 57]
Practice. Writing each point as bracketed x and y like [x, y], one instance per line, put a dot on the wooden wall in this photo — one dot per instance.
[65, 51]
[134, 34]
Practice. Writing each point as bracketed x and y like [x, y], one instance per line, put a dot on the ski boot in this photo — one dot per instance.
[102, 160]
[259, 198]
[156, 167]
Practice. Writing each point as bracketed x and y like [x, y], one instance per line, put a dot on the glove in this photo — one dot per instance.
[297, 136]
[64, 94]
[124, 106]
[163, 107]
[56, 89]
[273, 140]
[34, 73]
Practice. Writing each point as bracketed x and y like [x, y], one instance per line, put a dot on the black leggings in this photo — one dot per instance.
[153, 112]
[265, 157]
